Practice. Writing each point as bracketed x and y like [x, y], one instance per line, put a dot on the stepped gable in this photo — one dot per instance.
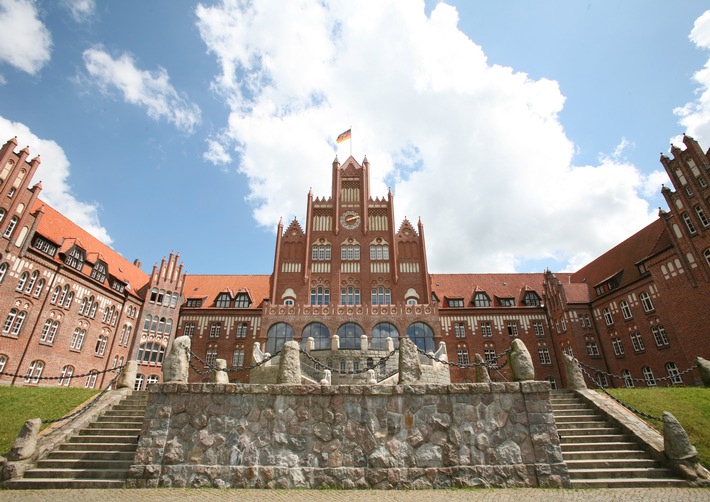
[349, 167]
[59, 229]
[406, 229]
[464, 286]
[294, 231]
[620, 262]
[208, 287]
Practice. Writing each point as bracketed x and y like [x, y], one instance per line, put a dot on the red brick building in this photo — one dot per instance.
[349, 278]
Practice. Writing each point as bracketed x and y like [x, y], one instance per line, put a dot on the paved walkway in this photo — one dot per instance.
[492, 495]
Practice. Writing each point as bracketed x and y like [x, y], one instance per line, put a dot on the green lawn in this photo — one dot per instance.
[19, 404]
[689, 405]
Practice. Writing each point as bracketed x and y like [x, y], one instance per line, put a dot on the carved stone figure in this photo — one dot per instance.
[682, 455]
[127, 378]
[482, 375]
[25, 444]
[410, 369]
[521, 364]
[219, 375]
[575, 378]
[176, 365]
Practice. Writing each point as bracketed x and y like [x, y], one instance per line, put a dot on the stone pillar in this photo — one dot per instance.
[482, 375]
[25, 444]
[521, 365]
[363, 343]
[334, 342]
[575, 378]
[310, 344]
[256, 354]
[389, 344]
[127, 378]
[682, 455]
[326, 378]
[176, 365]
[410, 369]
[289, 364]
[371, 380]
[704, 367]
[220, 375]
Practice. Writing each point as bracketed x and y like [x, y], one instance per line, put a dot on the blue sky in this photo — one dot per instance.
[524, 134]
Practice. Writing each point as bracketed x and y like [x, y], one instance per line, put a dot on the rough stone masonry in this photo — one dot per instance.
[313, 436]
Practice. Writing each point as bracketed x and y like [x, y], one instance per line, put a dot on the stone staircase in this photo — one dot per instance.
[99, 456]
[598, 453]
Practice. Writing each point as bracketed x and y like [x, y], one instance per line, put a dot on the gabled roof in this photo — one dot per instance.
[576, 292]
[494, 285]
[65, 233]
[624, 257]
[208, 287]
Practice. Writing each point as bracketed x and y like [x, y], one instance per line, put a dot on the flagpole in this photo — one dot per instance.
[351, 141]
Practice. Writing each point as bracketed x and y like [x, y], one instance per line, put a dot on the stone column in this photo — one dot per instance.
[289, 364]
[220, 375]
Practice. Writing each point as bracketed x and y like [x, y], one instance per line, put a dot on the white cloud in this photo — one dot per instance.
[151, 91]
[476, 150]
[695, 116]
[54, 173]
[81, 10]
[25, 42]
[217, 153]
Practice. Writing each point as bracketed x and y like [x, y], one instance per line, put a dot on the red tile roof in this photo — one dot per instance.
[577, 292]
[208, 287]
[624, 257]
[495, 285]
[61, 230]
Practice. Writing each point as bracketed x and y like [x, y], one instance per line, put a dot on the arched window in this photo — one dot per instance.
[153, 295]
[65, 377]
[11, 226]
[4, 266]
[18, 323]
[381, 332]
[154, 325]
[77, 339]
[151, 352]
[278, 334]
[38, 288]
[69, 299]
[84, 306]
[168, 326]
[673, 373]
[320, 334]
[422, 336]
[139, 382]
[350, 334]
[648, 376]
[161, 326]
[94, 306]
[91, 379]
[242, 330]
[22, 281]
[31, 282]
[34, 372]
[174, 300]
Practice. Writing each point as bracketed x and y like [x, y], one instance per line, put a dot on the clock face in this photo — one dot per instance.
[350, 219]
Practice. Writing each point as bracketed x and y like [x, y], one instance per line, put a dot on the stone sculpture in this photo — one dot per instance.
[410, 369]
[25, 444]
[289, 364]
[521, 365]
[482, 375]
[575, 378]
[704, 367]
[176, 365]
[220, 375]
[681, 453]
[127, 378]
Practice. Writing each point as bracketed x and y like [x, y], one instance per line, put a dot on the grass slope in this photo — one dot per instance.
[689, 405]
[19, 404]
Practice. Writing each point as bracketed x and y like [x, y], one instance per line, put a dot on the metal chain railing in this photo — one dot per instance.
[30, 377]
[625, 405]
[629, 378]
[209, 368]
[486, 363]
[90, 404]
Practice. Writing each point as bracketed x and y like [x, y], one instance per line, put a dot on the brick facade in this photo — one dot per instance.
[352, 270]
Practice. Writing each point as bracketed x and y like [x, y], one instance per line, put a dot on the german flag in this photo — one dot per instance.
[343, 137]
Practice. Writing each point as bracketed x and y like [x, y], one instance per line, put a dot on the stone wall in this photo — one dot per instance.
[400, 436]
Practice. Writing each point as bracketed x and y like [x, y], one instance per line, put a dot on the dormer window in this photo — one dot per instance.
[455, 302]
[481, 300]
[117, 285]
[224, 300]
[506, 302]
[531, 299]
[75, 258]
[43, 245]
[242, 301]
[99, 271]
[194, 303]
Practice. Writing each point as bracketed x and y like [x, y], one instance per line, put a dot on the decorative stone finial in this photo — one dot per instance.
[521, 364]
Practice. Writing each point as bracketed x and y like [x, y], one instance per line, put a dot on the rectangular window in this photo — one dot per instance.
[238, 358]
[625, 309]
[512, 328]
[637, 342]
[189, 329]
[455, 302]
[618, 347]
[462, 356]
[660, 337]
[211, 357]
[486, 331]
[460, 330]
[490, 356]
[608, 319]
[538, 328]
[592, 348]
[544, 355]
[648, 376]
[242, 330]
[646, 302]
[215, 329]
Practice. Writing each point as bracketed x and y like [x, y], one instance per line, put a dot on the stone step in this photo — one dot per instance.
[104, 438]
[628, 483]
[592, 438]
[109, 454]
[83, 463]
[110, 424]
[110, 431]
[121, 474]
[604, 454]
[584, 446]
[588, 431]
[581, 424]
[66, 484]
[136, 419]
[612, 463]
[620, 472]
[568, 412]
[97, 445]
